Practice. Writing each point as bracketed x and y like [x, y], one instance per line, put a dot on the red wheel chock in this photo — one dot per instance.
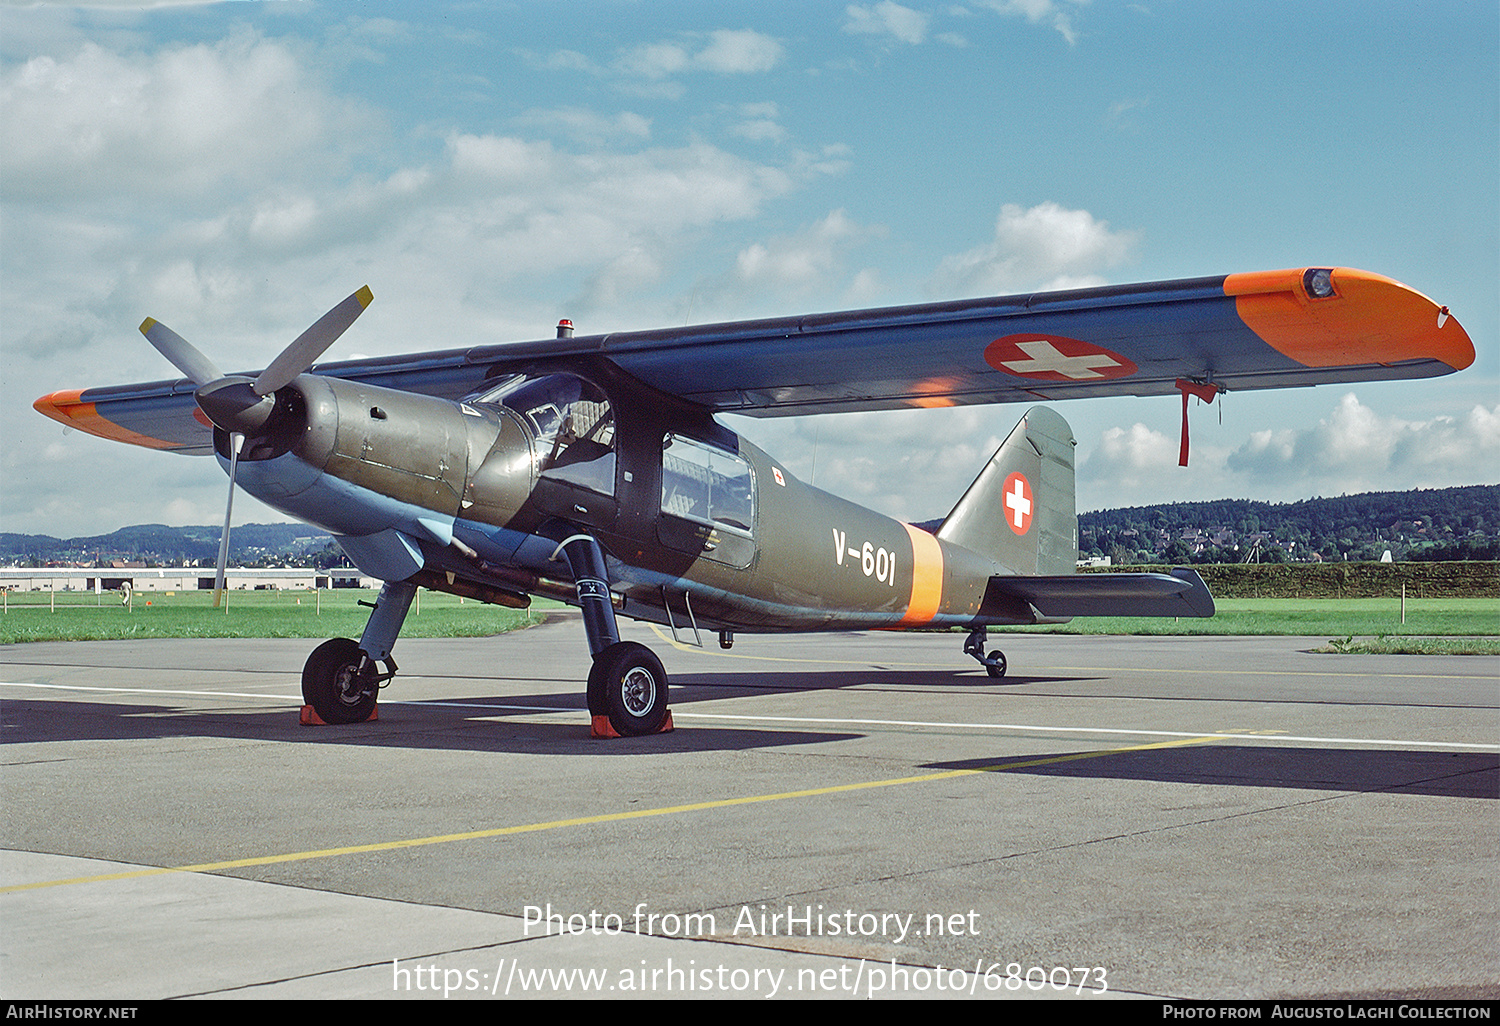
[600, 728]
[310, 717]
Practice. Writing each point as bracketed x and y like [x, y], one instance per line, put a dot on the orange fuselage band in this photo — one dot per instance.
[926, 578]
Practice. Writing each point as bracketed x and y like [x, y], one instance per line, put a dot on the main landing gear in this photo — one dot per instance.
[627, 689]
[994, 663]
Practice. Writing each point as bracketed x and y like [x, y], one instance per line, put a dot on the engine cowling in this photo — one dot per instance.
[454, 459]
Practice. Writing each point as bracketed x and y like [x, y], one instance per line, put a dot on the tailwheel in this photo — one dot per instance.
[994, 663]
[628, 684]
[340, 682]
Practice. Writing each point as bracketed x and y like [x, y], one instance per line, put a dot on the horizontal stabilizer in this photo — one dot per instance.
[1180, 593]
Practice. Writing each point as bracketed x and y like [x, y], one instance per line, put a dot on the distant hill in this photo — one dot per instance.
[157, 544]
[1440, 523]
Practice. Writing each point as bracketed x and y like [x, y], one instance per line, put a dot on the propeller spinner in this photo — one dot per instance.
[242, 405]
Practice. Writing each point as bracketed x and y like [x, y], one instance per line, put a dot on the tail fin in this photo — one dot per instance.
[1020, 509]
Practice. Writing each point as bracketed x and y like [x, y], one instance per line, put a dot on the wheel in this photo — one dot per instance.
[628, 684]
[996, 666]
[332, 685]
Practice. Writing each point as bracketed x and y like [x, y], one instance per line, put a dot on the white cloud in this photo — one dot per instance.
[801, 262]
[587, 126]
[225, 189]
[887, 18]
[760, 130]
[797, 269]
[1355, 445]
[187, 121]
[1039, 12]
[567, 60]
[739, 52]
[1046, 246]
[1135, 456]
[121, 5]
[654, 60]
[1354, 449]
[757, 122]
[725, 51]
[612, 284]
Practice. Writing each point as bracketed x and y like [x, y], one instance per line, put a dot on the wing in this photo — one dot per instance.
[1272, 329]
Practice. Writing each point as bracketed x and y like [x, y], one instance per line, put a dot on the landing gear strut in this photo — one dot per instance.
[342, 678]
[629, 686]
[627, 689]
[994, 663]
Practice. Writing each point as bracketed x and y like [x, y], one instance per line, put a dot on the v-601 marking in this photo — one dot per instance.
[879, 563]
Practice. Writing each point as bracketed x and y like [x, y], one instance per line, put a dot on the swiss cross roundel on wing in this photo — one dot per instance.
[1019, 502]
[1055, 358]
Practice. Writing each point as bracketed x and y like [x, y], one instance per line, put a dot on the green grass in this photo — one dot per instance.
[1329, 617]
[251, 614]
[294, 614]
[1385, 645]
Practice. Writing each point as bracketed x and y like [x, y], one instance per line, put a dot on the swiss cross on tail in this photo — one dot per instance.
[1055, 358]
[1018, 503]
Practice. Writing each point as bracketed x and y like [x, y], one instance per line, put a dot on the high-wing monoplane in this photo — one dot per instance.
[592, 468]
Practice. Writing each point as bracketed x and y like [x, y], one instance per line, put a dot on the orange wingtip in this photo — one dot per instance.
[1369, 318]
[67, 408]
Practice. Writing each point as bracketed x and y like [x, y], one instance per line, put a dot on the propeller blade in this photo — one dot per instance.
[235, 441]
[183, 354]
[312, 343]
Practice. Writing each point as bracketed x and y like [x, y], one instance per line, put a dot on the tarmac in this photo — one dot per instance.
[834, 816]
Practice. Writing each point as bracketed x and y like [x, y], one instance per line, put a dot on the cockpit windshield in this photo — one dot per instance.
[572, 424]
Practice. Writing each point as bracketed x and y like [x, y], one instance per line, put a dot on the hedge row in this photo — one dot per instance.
[1471, 579]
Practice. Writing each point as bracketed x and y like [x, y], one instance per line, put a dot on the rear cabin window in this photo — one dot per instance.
[713, 488]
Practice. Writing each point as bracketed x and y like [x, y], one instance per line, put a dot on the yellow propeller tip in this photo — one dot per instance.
[365, 296]
[147, 325]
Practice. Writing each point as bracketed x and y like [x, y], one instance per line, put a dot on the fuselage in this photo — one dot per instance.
[698, 526]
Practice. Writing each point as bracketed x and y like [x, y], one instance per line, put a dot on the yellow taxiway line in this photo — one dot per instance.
[609, 817]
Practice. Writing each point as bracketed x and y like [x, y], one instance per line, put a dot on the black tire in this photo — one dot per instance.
[996, 666]
[628, 684]
[331, 683]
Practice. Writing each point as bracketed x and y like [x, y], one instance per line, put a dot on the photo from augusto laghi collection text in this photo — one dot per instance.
[864, 977]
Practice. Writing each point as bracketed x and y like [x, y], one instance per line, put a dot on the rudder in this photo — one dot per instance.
[1020, 510]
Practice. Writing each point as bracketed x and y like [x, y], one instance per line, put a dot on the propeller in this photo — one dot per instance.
[241, 405]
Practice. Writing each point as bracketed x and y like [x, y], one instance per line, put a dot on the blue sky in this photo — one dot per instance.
[234, 169]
